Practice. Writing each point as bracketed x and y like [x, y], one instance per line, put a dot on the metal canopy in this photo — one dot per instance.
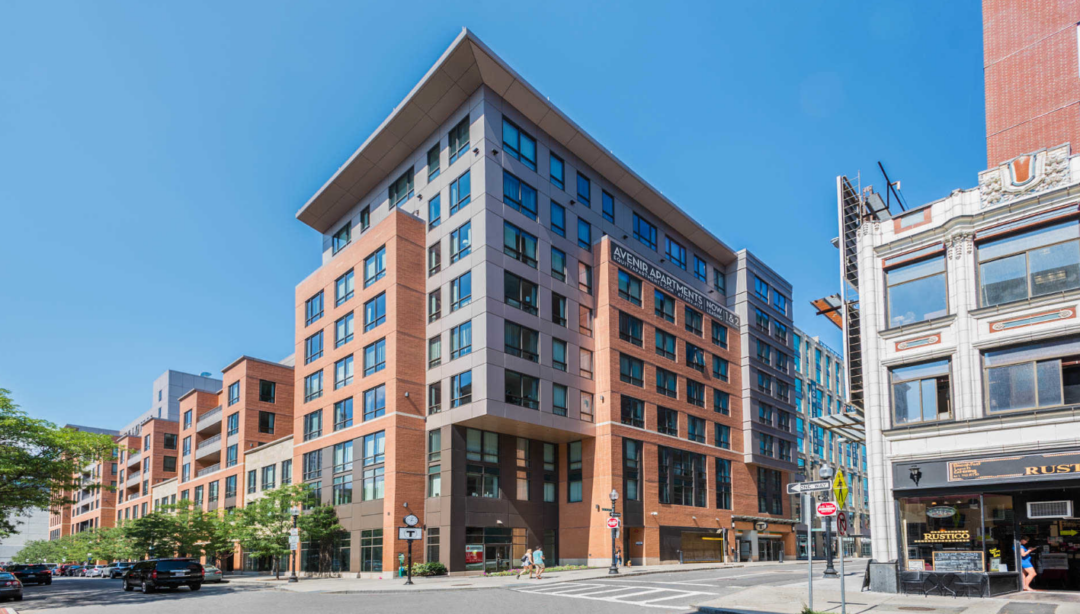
[850, 425]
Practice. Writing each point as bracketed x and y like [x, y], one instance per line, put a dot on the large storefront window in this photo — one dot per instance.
[494, 548]
[1039, 375]
[957, 533]
[371, 544]
[332, 559]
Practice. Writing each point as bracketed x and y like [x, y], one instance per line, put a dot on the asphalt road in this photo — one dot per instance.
[671, 592]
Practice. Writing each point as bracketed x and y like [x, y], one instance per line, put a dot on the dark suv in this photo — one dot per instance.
[32, 574]
[164, 573]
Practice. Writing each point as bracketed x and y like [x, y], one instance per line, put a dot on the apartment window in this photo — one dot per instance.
[781, 361]
[644, 232]
[723, 484]
[266, 422]
[558, 172]
[665, 344]
[401, 189]
[764, 352]
[558, 354]
[521, 341]
[434, 258]
[722, 436]
[765, 445]
[313, 386]
[631, 370]
[607, 206]
[785, 450]
[1030, 264]
[664, 306]
[481, 481]
[374, 402]
[585, 320]
[695, 429]
[434, 305]
[375, 312]
[168, 464]
[519, 245]
[343, 457]
[435, 351]
[719, 281]
[780, 331]
[313, 347]
[187, 419]
[765, 414]
[461, 389]
[630, 329]
[313, 425]
[373, 488]
[374, 267]
[558, 219]
[695, 393]
[269, 477]
[312, 462]
[230, 487]
[198, 496]
[460, 291]
[343, 332]
[695, 357]
[558, 309]
[694, 322]
[761, 289]
[584, 234]
[559, 398]
[481, 446]
[433, 162]
[667, 421]
[342, 238]
[313, 308]
[719, 335]
[770, 492]
[186, 451]
[234, 393]
[667, 383]
[675, 252]
[519, 195]
[230, 457]
[700, 270]
[169, 443]
[365, 218]
[434, 211]
[584, 189]
[721, 402]
[286, 472]
[374, 358]
[521, 293]
[585, 363]
[921, 392]
[916, 292]
[185, 474]
[682, 477]
[459, 140]
[518, 144]
[342, 489]
[764, 383]
[1033, 376]
[586, 406]
[434, 398]
[434, 485]
[629, 288]
[761, 320]
[344, 288]
[434, 445]
[461, 242]
[585, 279]
[460, 340]
[780, 302]
[212, 495]
[573, 476]
[521, 389]
[343, 372]
[343, 414]
[558, 264]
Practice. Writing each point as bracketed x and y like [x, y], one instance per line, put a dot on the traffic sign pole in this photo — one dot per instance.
[808, 500]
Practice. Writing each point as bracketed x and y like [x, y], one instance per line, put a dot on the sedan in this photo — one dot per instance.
[10, 587]
[213, 574]
[38, 574]
[97, 571]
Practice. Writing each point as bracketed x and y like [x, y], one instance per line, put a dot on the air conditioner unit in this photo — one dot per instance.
[1049, 509]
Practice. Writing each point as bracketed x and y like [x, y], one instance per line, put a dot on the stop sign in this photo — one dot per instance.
[613, 523]
[826, 508]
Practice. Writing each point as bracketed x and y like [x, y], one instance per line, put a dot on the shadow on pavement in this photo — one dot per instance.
[77, 592]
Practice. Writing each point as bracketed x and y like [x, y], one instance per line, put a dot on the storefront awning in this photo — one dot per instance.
[851, 425]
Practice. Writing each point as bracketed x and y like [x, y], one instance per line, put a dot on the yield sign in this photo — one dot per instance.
[840, 489]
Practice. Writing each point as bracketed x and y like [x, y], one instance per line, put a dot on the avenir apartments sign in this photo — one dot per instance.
[654, 275]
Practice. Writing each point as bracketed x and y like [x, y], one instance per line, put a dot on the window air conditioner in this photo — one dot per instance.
[1049, 509]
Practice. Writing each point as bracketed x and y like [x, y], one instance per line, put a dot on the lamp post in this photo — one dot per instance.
[826, 472]
[294, 537]
[614, 568]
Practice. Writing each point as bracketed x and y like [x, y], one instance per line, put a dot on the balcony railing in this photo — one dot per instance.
[208, 447]
[133, 458]
[209, 419]
[208, 470]
[133, 479]
[208, 442]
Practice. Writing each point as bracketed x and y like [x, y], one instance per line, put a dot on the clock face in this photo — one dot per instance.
[411, 520]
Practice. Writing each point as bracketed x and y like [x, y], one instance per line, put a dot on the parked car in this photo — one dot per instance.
[74, 570]
[212, 574]
[117, 570]
[96, 571]
[10, 587]
[37, 574]
[151, 575]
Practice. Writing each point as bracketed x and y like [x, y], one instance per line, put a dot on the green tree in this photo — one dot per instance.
[223, 536]
[152, 535]
[110, 544]
[263, 524]
[320, 528]
[39, 462]
[192, 528]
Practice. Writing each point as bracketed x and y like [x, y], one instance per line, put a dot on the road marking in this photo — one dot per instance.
[643, 581]
[621, 596]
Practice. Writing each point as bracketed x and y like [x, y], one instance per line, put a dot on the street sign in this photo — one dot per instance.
[294, 531]
[840, 489]
[295, 546]
[293, 540]
[841, 524]
[613, 523]
[796, 488]
[827, 509]
[410, 533]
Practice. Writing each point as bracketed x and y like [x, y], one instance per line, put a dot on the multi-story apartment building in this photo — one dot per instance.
[820, 393]
[509, 324]
[92, 505]
[31, 527]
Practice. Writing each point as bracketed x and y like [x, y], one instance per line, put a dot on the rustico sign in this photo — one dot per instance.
[654, 275]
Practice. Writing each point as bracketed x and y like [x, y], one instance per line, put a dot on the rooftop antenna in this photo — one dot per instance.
[891, 189]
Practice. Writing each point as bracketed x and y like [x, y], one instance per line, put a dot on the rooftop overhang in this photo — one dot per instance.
[850, 425]
[463, 67]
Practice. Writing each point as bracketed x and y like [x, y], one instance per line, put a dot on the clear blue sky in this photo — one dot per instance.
[154, 154]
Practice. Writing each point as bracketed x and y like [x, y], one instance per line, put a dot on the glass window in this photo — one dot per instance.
[519, 195]
[558, 354]
[521, 293]
[584, 234]
[313, 425]
[375, 402]
[521, 341]
[629, 288]
[374, 358]
[559, 398]
[632, 411]
[574, 473]
[719, 281]
[558, 172]
[916, 292]
[266, 422]
[343, 372]
[461, 389]
[521, 389]
[460, 242]
[433, 162]
[365, 218]
[267, 391]
[719, 334]
[722, 436]
[632, 370]
[695, 429]
[1034, 263]
[558, 264]
[558, 309]
[313, 347]
[435, 351]
[682, 477]
[933, 525]
[1037, 375]
[608, 206]
[584, 189]
[434, 305]
[721, 402]
[459, 141]
[313, 308]
[434, 258]
[313, 386]
[723, 484]
[667, 383]
[401, 189]
[667, 421]
[460, 340]
[375, 267]
[519, 245]
[694, 322]
[700, 270]
[665, 306]
[518, 144]
[585, 280]
[460, 291]
[558, 219]
[434, 208]
[761, 289]
[371, 542]
[343, 330]
[435, 398]
[342, 237]
[921, 392]
[343, 288]
[632, 469]
[675, 252]
[695, 393]
[375, 312]
[665, 344]
[585, 363]
[630, 329]
[695, 357]
[645, 232]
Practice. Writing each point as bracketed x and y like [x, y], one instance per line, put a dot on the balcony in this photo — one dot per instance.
[208, 447]
[133, 480]
[208, 470]
[133, 458]
[209, 422]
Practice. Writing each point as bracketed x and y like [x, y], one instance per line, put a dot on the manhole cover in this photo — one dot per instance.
[914, 608]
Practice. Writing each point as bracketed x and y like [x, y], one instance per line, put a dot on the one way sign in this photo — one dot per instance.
[796, 488]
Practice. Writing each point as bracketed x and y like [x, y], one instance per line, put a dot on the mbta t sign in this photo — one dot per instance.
[827, 509]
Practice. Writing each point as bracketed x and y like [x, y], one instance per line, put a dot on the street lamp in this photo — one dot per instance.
[294, 541]
[614, 497]
[826, 473]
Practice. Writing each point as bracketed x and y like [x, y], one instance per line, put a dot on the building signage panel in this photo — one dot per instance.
[1031, 466]
[656, 276]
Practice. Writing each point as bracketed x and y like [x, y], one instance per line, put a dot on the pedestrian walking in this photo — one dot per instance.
[526, 563]
[538, 562]
[618, 557]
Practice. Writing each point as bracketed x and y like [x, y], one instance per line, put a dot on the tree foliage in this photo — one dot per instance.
[40, 462]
